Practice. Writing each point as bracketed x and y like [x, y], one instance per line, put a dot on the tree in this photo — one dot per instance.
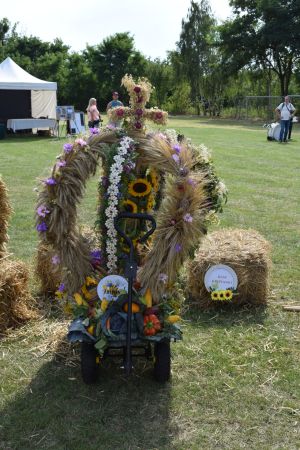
[263, 33]
[160, 75]
[195, 47]
[111, 60]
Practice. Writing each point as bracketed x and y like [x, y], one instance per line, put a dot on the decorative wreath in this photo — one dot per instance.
[158, 173]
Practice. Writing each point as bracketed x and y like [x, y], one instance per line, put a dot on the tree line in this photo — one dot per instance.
[254, 52]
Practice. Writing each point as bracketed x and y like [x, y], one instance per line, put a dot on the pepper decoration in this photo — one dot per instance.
[151, 325]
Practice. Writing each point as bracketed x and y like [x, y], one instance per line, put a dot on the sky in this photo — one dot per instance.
[154, 24]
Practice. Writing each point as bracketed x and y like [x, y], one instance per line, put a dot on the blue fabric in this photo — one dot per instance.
[284, 129]
[115, 103]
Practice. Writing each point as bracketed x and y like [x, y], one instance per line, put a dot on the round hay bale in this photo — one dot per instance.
[5, 212]
[15, 299]
[246, 252]
[48, 273]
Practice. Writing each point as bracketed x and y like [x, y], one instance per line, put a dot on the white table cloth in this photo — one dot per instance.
[25, 124]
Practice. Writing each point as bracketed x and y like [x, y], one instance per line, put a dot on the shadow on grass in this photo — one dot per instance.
[229, 316]
[58, 411]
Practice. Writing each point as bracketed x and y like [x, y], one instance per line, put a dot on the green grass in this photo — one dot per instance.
[235, 380]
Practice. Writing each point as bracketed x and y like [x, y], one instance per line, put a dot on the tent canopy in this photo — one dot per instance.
[14, 77]
[23, 95]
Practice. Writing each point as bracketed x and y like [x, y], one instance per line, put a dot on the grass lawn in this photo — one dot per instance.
[235, 376]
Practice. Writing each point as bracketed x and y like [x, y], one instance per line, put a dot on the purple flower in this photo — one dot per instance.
[159, 115]
[188, 218]
[42, 211]
[68, 148]
[105, 182]
[176, 158]
[191, 182]
[50, 181]
[94, 130]
[139, 112]
[96, 257]
[61, 287]
[178, 248]
[138, 125]
[61, 164]
[55, 259]
[41, 227]
[129, 167]
[177, 148]
[120, 112]
[81, 142]
[163, 277]
[137, 89]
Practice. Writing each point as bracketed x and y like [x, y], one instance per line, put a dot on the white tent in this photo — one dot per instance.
[41, 94]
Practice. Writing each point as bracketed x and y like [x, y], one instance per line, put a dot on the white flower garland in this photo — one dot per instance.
[112, 210]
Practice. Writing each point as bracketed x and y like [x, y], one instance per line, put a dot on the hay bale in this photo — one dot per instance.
[48, 274]
[246, 252]
[5, 212]
[15, 299]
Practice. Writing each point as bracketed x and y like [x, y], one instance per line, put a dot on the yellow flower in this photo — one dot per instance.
[86, 293]
[130, 206]
[90, 281]
[68, 308]
[150, 203]
[173, 319]
[221, 295]
[79, 300]
[154, 179]
[215, 295]
[90, 329]
[228, 294]
[139, 187]
[104, 304]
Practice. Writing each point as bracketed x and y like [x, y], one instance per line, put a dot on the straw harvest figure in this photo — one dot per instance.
[142, 171]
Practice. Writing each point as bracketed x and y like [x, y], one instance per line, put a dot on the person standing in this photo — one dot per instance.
[93, 114]
[115, 102]
[285, 112]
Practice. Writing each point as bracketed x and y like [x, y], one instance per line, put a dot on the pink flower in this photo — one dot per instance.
[42, 211]
[159, 115]
[81, 142]
[188, 218]
[137, 89]
[120, 112]
[138, 125]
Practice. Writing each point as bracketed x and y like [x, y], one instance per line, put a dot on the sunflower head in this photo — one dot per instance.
[215, 295]
[130, 206]
[139, 187]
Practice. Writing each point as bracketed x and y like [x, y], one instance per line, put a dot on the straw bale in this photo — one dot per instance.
[246, 252]
[48, 274]
[15, 298]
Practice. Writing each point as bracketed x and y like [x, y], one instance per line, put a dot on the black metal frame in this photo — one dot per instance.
[130, 273]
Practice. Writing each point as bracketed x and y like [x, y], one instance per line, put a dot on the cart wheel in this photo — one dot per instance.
[162, 365]
[89, 368]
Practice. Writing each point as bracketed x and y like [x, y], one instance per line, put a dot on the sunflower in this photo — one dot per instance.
[150, 203]
[228, 294]
[139, 187]
[221, 295]
[215, 295]
[154, 179]
[130, 206]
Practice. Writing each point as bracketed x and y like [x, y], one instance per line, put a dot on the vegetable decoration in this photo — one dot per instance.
[151, 325]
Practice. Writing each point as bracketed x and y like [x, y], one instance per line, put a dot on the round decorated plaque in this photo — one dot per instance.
[220, 277]
[110, 287]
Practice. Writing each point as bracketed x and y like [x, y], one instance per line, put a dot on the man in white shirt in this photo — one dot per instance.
[286, 113]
